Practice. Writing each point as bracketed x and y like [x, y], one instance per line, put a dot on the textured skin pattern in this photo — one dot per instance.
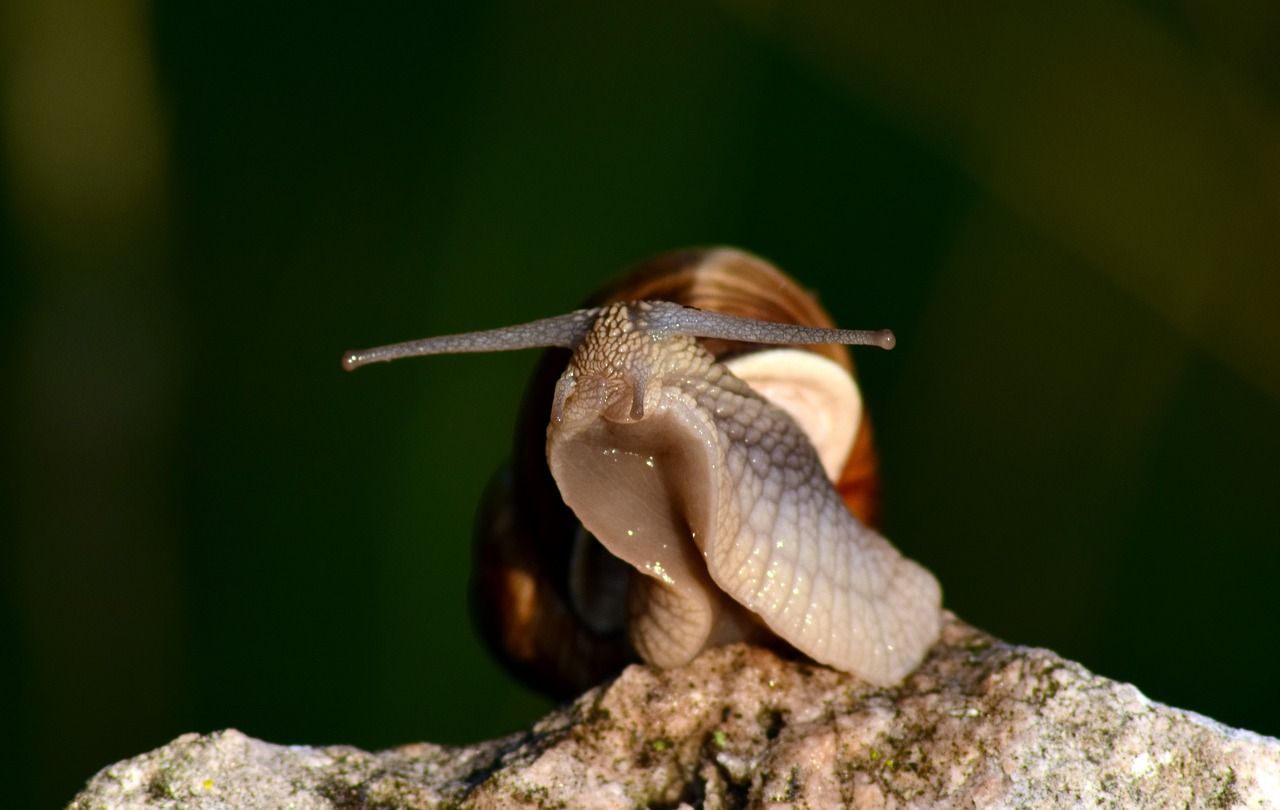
[668, 623]
[787, 548]
[773, 533]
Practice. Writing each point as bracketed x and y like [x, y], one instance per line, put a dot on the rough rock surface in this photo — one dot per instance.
[980, 724]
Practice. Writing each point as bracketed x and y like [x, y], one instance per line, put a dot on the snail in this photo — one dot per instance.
[711, 490]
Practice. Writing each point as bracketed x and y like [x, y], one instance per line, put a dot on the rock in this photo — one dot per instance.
[980, 724]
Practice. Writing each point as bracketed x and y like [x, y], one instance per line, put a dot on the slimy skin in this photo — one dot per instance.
[713, 494]
[719, 500]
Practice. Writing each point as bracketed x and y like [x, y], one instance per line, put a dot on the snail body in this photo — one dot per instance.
[711, 490]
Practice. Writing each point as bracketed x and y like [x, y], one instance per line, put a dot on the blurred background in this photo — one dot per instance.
[1070, 216]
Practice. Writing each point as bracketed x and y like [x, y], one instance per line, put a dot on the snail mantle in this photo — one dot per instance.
[981, 723]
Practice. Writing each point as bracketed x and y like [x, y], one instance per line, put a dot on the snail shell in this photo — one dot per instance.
[697, 508]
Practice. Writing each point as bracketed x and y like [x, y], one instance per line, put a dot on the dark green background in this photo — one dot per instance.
[1070, 217]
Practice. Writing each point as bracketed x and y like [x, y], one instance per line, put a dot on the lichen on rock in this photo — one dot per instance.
[980, 724]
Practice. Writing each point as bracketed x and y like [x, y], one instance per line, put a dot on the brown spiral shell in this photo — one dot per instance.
[525, 535]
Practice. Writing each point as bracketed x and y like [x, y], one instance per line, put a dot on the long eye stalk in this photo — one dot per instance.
[564, 330]
[567, 331]
[708, 324]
